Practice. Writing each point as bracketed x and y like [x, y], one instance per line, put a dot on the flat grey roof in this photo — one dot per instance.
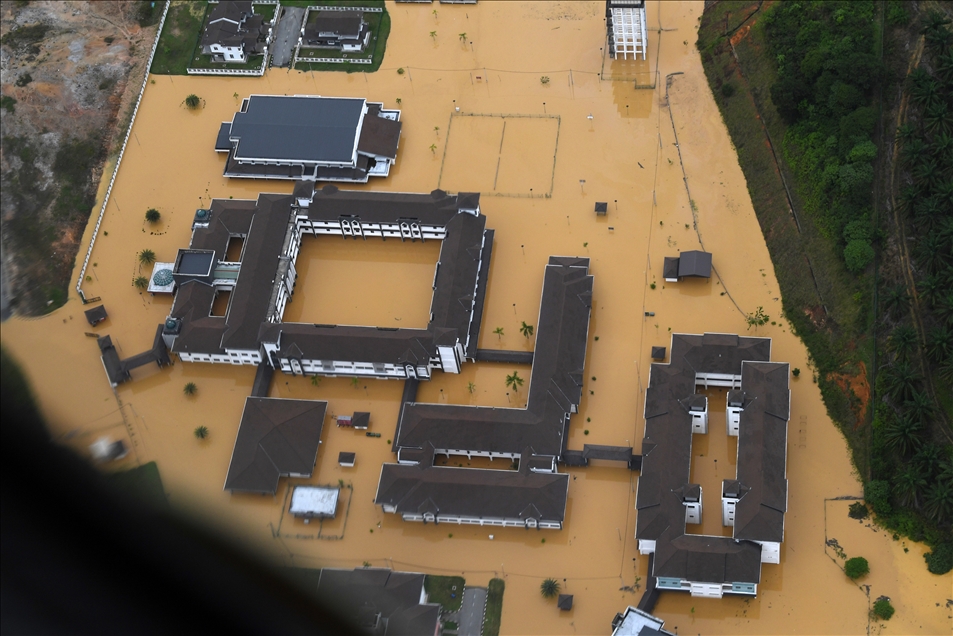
[300, 128]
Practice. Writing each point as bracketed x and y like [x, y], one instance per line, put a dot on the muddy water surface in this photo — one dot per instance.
[625, 155]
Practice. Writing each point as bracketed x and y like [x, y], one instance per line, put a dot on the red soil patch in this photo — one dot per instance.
[855, 385]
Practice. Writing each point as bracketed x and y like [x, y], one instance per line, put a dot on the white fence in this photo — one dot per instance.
[257, 72]
[112, 181]
[364, 9]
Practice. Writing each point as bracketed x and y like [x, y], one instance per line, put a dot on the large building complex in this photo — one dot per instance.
[753, 503]
[261, 282]
[535, 495]
[311, 138]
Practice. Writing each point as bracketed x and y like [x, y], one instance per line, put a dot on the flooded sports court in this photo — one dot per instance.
[528, 111]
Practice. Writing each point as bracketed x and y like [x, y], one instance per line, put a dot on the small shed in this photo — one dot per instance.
[314, 502]
[694, 263]
[361, 420]
[96, 315]
[346, 459]
[564, 602]
[658, 353]
[602, 208]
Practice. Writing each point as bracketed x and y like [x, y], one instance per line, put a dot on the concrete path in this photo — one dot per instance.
[286, 36]
[470, 616]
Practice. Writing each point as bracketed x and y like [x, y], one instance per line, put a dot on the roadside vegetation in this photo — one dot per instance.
[494, 607]
[806, 88]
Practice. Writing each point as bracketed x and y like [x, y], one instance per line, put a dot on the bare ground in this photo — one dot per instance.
[74, 70]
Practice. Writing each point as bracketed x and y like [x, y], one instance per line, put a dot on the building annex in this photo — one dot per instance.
[535, 495]
[261, 283]
[754, 503]
[311, 138]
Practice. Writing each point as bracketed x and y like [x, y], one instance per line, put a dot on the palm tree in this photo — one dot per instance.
[201, 432]
[930, 288]
[514, 381]
[937, 36]
[526, 330]
[193, 101]
[901, 382]
[940, 344]
[315, 380]
[433, 34]
[919, 407]
[913, 152]
[549, 588]
[928, 171]
[896, 301]
[929, 252]
[499, 332]
[943, 66]
[433, 148]
[908, 485]
[938, 118]
[463, 37]
[141, 282]
[153, 215]
[909, 197]
[147, 257]
[929, 460]
[903, 434]
[944, 307]
[471, 387]
[939, 501]
[903, 340]
[907, 132]
[190, 388]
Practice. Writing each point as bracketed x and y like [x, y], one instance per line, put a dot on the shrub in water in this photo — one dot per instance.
[856, 567]
[883, 609]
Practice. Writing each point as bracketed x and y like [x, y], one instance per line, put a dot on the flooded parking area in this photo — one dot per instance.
[575, 140]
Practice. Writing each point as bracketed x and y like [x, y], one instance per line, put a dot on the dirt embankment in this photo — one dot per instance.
[70, 74]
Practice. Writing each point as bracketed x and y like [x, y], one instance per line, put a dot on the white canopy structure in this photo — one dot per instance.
[625, 24]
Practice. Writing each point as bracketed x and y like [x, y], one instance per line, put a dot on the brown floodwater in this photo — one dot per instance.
[624, 155]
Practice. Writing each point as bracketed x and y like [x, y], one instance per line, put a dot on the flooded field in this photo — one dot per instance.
[612, 143]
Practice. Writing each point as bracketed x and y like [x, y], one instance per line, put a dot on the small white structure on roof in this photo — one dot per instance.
[311, 502]
[625, 24]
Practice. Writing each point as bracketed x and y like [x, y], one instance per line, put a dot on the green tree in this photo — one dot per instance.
[856, 567]
[526, 330]
[433, 35]
[896, 301]
[153, 215]
[471, 388]
[908, 485]
[903, 341]
[901, 381]
[940, 344]
[193, 101]
[514, 381]
[147, 257]
[549, 588]
[190, 389]
[499, 332]
[903, 434]
[857, 255]
[463, 37]
[141, 282]
[920, 407]
[883, 609]
[201, 432]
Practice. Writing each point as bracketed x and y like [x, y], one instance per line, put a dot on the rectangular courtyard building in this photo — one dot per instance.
[310, 138]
